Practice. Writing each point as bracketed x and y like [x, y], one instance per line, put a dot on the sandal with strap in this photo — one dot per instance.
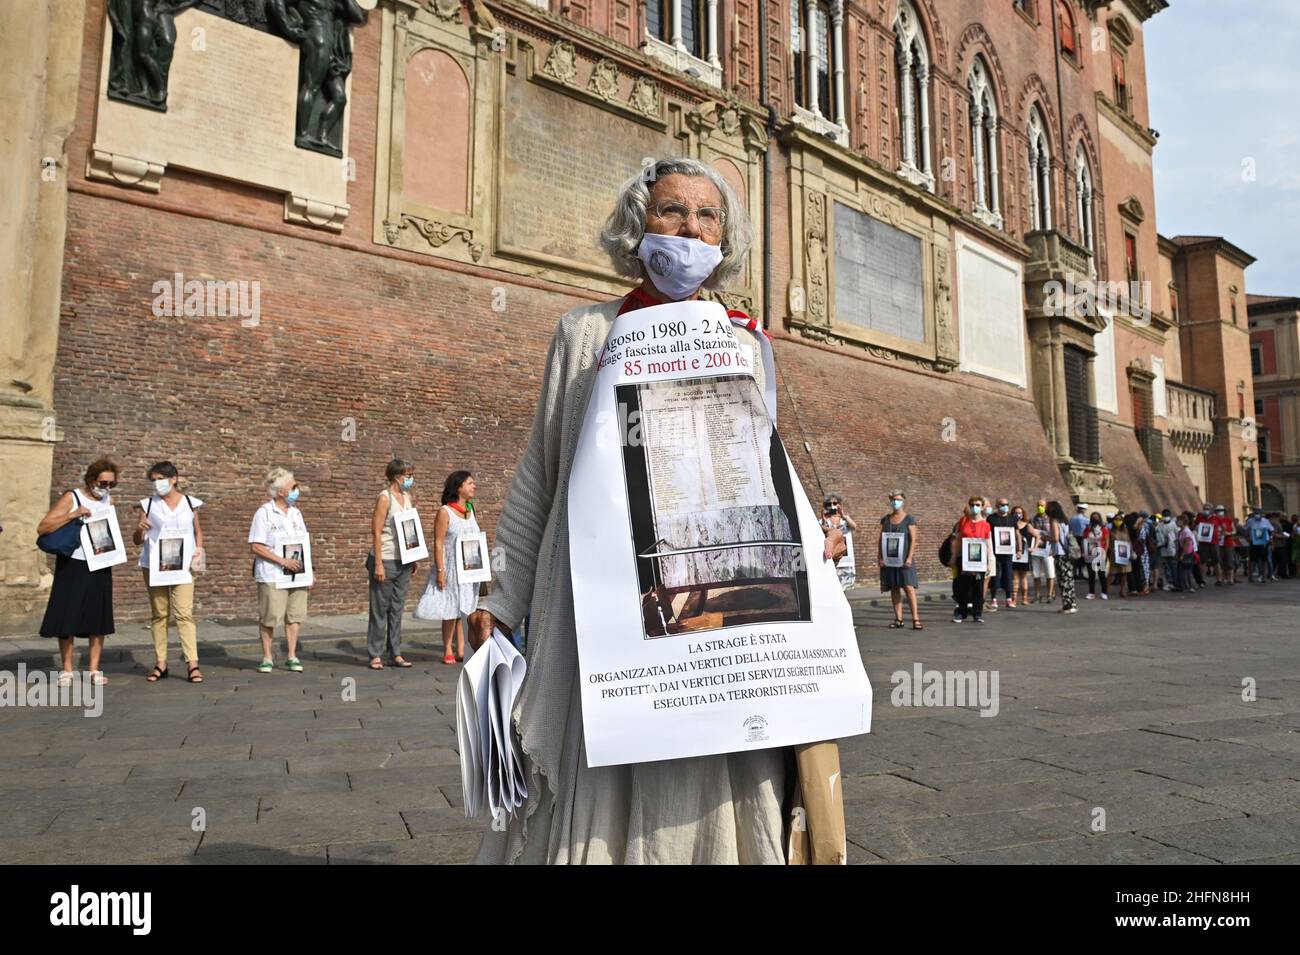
[897, 624]
[376, 664]
[195, 675]
[401, 662]
[917, 625]
[159, 673]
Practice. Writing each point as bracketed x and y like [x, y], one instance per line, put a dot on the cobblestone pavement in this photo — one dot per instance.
[1133, 707]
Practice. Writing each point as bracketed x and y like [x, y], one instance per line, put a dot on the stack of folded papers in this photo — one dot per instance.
[491, 763]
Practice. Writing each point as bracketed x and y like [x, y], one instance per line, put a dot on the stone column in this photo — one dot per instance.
[1060, 406]
[713, 35]
[40, 62]
[1045, 187]
[923, 75]
[1035, 214]
[810, 38]
[977, 137]
[905, 98]
[837, 31]
[994, 204]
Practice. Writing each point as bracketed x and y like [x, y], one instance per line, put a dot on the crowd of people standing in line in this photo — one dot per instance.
[1043, 556]
[1038, 561]
[81, 600]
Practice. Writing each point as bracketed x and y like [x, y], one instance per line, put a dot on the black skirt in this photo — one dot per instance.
[81, 602]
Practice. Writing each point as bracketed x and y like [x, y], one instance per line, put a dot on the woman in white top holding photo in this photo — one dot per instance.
[170, 512]
[274, 522]
[81, 600]
[446, 598]
[390, 579]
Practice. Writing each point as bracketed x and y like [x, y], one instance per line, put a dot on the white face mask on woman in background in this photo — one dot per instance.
[162, 486]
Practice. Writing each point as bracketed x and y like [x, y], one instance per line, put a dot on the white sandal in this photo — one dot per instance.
[65, 678]
[97, 677]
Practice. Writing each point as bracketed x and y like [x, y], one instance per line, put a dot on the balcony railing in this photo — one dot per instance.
[1190, 416]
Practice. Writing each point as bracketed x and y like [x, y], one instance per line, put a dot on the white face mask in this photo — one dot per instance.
[100, 492]
[162, 486]
[678, 265]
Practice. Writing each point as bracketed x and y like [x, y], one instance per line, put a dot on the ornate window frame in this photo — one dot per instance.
[913, 59]
[673, 53]
[986, 203]
[821, 176]
[410, 28]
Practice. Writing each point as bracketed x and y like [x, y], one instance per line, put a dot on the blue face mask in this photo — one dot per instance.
[292, 497]
[407, 482]
[1003, 508]
[896, 505]
[976, 510]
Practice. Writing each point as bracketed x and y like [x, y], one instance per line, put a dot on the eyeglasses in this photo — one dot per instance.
[673, 214]
[106, 485]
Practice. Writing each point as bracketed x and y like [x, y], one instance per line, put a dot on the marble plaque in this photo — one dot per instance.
[562, 165]
[990, 313]
[878, 283]
[231, 106]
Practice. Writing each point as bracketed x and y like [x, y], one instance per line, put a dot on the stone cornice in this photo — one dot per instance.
[1125, 122]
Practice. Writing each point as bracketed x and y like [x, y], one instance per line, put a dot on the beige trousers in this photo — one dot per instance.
[178, 602]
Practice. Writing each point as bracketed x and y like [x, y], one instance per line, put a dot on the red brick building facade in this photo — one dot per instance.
[924, 178]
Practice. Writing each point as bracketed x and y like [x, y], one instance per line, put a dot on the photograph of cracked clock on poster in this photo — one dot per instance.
[712, 507]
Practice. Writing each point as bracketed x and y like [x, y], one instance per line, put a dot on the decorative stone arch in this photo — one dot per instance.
[1078, 134]
[1034, 92]
[932, 31]
[976, 40]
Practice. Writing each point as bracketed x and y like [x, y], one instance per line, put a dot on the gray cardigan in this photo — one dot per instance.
[675, 810]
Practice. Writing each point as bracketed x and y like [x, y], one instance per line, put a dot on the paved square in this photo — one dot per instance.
[1132, 707]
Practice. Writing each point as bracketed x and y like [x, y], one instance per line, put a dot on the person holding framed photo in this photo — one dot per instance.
[1023, 541]
[1096, 552]
[900, 580]
[970, 583]
[1119, 571]
[834, 517]
[274, 523]
[1041, 561]
[81, 600]
[166, 516]
[390, 579]
[446, 597]
[1001, 578]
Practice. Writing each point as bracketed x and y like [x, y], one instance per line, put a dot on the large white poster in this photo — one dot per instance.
[702, 626]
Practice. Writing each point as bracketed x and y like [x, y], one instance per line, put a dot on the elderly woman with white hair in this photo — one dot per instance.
[677, 228]
[274, 523]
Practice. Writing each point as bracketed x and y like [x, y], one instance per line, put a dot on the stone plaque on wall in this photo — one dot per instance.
[562, 164]
[878, 277]
[231, 109]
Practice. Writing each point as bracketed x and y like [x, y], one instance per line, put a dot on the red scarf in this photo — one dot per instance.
[459, 508]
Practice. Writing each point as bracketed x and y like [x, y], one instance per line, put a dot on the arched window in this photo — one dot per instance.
[817, 38]
[1040, 173]
[1083, 200]
[912, 97]
[983, 116]
[1069, 39]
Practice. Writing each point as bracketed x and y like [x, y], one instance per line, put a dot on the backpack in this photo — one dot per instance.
[945, 549]
[66, 539]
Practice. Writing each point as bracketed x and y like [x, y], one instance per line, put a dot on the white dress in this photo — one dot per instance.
[456, 599]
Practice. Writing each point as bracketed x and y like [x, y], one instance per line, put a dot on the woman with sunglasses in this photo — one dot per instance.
[81, 600]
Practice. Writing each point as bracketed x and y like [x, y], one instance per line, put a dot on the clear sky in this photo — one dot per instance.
[1224, 84]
